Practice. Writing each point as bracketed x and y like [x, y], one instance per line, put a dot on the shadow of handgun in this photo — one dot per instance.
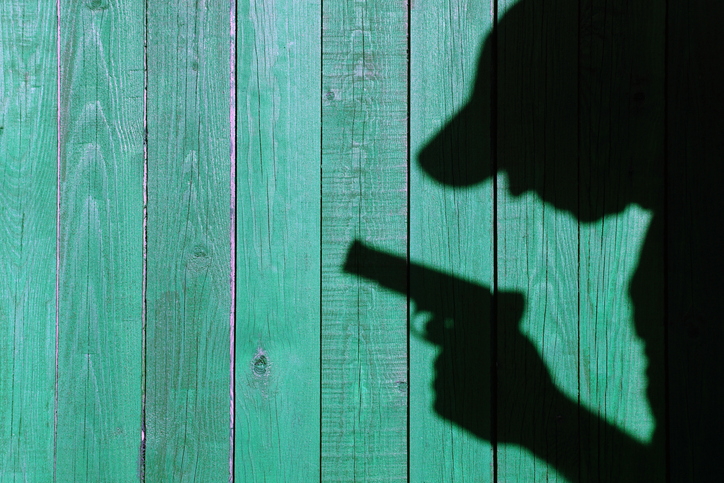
[490, 379]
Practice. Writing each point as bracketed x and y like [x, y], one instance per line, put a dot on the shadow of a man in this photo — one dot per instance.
[571, 101]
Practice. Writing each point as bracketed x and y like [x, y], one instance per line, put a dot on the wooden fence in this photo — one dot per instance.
[360, 240]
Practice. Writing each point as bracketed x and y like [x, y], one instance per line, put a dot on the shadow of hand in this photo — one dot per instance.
[491, 381]
[518, 392]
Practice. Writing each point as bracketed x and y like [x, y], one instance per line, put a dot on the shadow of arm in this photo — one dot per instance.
[521, 405]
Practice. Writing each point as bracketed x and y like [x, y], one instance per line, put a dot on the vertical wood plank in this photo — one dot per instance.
[364, 196]
[695, 264]
[28, 181]
[451, 228]
[621, 254]
[278, 263]
[188, 251]
[100, 250]
[537, 333]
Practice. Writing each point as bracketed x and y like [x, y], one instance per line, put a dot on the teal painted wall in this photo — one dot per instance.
[438, 241]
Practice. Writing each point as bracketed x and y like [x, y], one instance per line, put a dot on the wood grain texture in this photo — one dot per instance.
[28, 180]
[100, 251]
[537, 335]
[278, 256]
[621, 255]
[694, 264]
[564, 265]
[450, 228]
[364, 196]
[188, 251]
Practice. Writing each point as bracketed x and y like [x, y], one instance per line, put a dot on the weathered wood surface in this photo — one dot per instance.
[551, 170]
[100, 219]
[188, 296]
[364, 376]
[28, 198]
[451, 229]
[537, 273]
[621, 256]
[277, 354]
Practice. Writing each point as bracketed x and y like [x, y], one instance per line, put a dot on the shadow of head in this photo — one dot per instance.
[530, 116]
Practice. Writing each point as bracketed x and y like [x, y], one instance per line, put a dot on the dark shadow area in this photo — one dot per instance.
[594, 106]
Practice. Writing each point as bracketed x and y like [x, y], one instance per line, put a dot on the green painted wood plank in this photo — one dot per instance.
[100, 250]
[364, 196]
[28, 181]
[451, 228]
[537, 236]
[695, 175]
[188, 242]
[278, 262]
[621, 257]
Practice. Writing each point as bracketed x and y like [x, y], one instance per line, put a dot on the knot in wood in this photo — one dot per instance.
[96, 5]
[260, 364]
